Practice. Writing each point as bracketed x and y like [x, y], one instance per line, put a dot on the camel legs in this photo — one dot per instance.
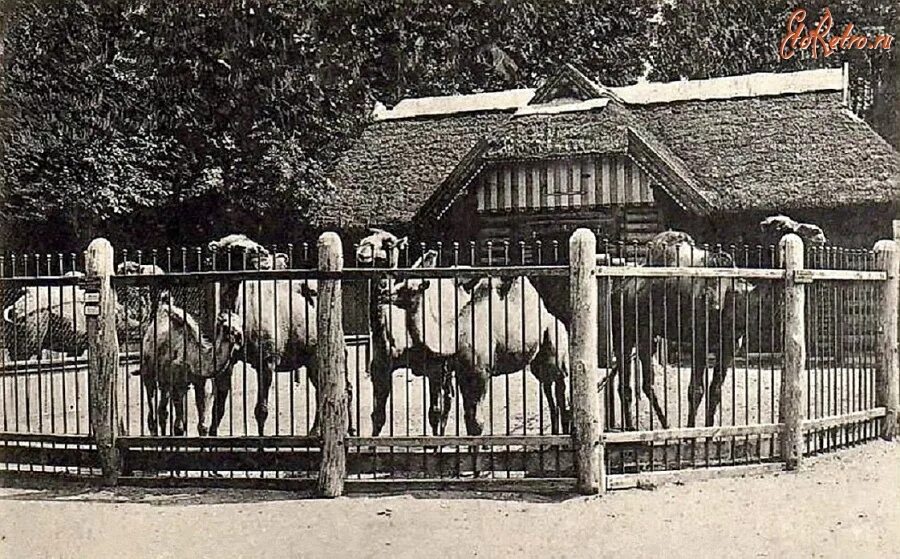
[222, 387]
[381, 390]
[179, 395]
[264, 383]
[162, 409]
[472, 385]
[648, 374]
[698, 385]
[440, 392]
[202, 395]
[150, 390]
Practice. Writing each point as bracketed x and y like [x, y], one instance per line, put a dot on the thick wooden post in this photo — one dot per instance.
[790, 412]
[103, 354]
[887, 379]
[330, 359]
[587, 402]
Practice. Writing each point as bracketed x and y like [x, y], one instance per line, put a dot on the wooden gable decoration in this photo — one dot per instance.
[569, 83]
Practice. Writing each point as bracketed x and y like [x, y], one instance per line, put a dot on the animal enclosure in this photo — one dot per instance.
[467, 372]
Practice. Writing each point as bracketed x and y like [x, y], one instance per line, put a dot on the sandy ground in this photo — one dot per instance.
[56, 402]
[841, 505]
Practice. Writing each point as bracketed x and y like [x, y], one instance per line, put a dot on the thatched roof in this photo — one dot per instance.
[761, 142]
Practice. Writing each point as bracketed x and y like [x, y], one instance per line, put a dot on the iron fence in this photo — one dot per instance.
[456, 358]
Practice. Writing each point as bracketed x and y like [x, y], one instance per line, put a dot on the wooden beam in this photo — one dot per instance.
[791, 404]
[677, 272]
[887, 377]
[587, 408]
[330, 357]
[103, 357]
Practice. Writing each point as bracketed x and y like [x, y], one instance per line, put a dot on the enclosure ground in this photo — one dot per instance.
[841, 505]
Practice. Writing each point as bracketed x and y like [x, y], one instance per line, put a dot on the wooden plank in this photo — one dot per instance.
[844, 275]
[331, 359]
[479, 193]
[656, 479]
[562, 441]
[609, 181]
[47, 438]
[887, 373]
[55, 456]
[674, 272]
[845, 419]
[553, 486]
[620, 180]
[587, 411]
[790, 410]
[270, 484]
[551, 197]
[521, 202]
[589, 182]
[103, 358]
[452, 462]
[507, 187]
[536, 192]
[219, 460]
[473, 272]
[575, 183]
[668, 435]
[255, 442]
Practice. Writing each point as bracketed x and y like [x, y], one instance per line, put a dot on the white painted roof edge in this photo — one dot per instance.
[579, 106]
[730, 87]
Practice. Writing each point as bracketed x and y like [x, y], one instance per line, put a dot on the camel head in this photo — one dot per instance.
[229, 333]
[238, 245]
[380, 249]
[671, 248]
[407, 293]
[776, 226]
[131, 268]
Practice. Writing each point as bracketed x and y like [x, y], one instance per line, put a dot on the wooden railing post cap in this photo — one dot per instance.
[791, 240]
[100, 243]
[886, 245]
[329, 239]
[583, 235]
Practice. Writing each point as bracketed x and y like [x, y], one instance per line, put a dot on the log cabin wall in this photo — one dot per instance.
[548, 199]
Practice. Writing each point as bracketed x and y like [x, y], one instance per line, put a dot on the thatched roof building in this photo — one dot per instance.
[710, 156]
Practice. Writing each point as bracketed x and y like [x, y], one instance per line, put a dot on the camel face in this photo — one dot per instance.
[380, 249]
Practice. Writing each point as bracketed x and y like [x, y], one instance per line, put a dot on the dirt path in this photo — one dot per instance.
[847, 504]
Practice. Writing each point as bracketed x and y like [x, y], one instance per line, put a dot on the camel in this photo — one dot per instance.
[279, 324]
[176, 355]
[480, 346]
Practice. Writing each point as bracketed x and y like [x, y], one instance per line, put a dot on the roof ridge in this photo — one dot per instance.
[758, 84]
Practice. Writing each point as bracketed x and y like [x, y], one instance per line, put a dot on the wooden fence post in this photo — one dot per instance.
[103, 354]
[330, 359]
[587, 402]
[790, 411]
[887, 380]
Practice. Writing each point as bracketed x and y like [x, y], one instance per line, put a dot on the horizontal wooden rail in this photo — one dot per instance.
[559, 485]
[41, 281]
[562, 441]
[844, 419]
[655, 479]
[661, 435]
[686, 272]
[843, 275]
[31, 366]
[249, 441]
[46, 438]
